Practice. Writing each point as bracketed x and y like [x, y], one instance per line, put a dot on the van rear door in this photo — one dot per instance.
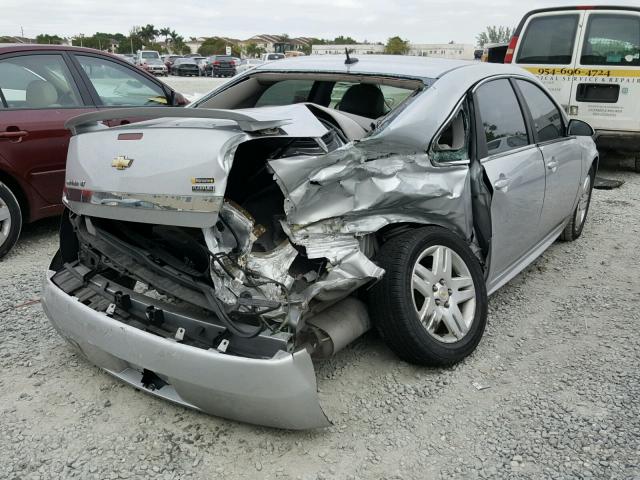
[606, 91]
[547, 47]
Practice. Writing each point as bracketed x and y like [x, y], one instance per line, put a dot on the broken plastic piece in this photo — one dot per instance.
[224, 344]
[110, 309]
[179, 336]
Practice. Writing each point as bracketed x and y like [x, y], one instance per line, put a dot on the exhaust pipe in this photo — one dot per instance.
[337, 326]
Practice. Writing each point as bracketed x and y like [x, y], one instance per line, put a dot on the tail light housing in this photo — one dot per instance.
[508, 58]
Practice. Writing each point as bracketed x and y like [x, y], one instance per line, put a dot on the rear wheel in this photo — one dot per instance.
[573, 229]
[431, 305]
[10, 220]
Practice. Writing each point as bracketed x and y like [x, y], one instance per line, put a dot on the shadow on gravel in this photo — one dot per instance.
[41, 228]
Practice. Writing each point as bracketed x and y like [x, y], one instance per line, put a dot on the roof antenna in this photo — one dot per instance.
[349, 60]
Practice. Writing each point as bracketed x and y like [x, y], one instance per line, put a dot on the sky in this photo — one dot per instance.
[434, 21]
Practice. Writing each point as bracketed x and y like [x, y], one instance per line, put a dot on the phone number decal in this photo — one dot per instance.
[584, 72]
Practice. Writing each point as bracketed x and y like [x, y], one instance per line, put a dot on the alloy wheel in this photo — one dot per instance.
[5, 222]
[583, 203]
[443, 292]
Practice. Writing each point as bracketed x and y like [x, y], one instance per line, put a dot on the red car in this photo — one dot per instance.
[41, 87]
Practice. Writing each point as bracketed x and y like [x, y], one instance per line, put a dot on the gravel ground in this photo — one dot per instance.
[559, 361]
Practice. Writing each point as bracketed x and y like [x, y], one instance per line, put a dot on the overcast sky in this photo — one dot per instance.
[434, 21]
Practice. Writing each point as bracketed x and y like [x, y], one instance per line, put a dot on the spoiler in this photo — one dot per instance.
[247, 123]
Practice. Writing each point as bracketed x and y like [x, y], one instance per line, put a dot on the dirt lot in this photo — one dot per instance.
[559, 360]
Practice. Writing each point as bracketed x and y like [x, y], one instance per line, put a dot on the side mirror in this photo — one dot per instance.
[580, 128]
[179, 100]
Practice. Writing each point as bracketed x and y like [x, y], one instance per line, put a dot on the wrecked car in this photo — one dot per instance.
[309, 200]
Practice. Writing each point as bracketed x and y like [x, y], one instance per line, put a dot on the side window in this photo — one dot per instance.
[121, 86]
[285, 92]
[38, 81]
[502, 119]
[612, 40]
[549, 40]
[452, 145]
[547, 119]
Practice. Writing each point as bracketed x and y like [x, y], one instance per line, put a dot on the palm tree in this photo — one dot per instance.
[166, 33]
[148, 33]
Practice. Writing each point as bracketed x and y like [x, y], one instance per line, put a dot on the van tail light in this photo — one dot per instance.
[216, 63]
[508, 58]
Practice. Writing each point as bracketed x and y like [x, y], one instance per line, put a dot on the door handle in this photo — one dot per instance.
[502, 183]
[552, 165]
[14, 136]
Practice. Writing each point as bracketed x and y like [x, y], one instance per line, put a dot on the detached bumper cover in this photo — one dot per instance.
[279, 392]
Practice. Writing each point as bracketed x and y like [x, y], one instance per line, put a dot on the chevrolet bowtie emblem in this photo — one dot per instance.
[121, 162]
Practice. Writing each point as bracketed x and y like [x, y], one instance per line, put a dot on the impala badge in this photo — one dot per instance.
[121, 162]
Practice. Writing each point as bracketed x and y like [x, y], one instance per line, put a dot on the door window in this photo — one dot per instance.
[502, 119]
[37, 81]
[120, 86]
[612, 40]
[549, 40]
[547, 119]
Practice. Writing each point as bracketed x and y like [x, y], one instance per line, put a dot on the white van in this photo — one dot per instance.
[589, 58]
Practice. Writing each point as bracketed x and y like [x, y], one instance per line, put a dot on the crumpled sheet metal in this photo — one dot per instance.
[353, 190]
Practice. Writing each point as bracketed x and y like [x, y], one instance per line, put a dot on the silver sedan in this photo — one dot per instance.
[209, 253]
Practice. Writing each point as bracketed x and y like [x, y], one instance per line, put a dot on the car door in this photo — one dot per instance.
[515, 169]
[562, 157]
[113, 84]
[39, 94]
[607, 91]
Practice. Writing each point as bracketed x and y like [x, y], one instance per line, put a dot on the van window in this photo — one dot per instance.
[549, 40]
[612, 40]
[502, 119]
[547, 119]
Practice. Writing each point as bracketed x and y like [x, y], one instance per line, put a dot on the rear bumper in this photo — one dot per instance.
[278, 392]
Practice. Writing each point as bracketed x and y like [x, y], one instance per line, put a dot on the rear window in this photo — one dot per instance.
[612, 40]
[285, 92]
[549, 40]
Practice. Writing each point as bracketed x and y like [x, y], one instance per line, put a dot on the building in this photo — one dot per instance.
[356, 49]
[278, 43]
[458, 51]
[194, 43]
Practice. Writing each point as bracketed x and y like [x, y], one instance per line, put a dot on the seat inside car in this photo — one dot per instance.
[363, 99]
[41, 94]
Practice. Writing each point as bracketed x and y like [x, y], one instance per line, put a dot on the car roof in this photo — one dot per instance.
[25, 47]
[426, 68]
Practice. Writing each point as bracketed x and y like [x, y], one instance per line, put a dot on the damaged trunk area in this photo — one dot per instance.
[241, 286]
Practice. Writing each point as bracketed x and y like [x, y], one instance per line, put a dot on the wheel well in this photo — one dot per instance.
[595, 164]
[15, 188]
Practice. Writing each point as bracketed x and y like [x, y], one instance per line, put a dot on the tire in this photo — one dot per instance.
[393, 301]
[637, 165]
[574, 227]
[10, 220]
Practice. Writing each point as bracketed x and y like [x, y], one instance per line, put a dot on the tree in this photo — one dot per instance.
[166, 33]
[45, 38]
[148, 33]
[494, 34]
[397, 46]
[341, 40]
[253, 51]
[216, 46]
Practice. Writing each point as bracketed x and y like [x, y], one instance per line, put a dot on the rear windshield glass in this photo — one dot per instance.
[612, 40]
[549, 40]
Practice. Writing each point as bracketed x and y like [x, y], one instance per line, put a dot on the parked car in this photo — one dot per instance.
[168, 60]
[220, 66]
[142, 56]
[155, 67]
[589, 58]
[268, 57]
[127, 57]
[185, 66]
[247, 64]
[286, 206]
[41, 87]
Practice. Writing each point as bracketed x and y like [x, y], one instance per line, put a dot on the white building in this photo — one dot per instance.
[458, 51]
[357, 49]
[461, 51]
